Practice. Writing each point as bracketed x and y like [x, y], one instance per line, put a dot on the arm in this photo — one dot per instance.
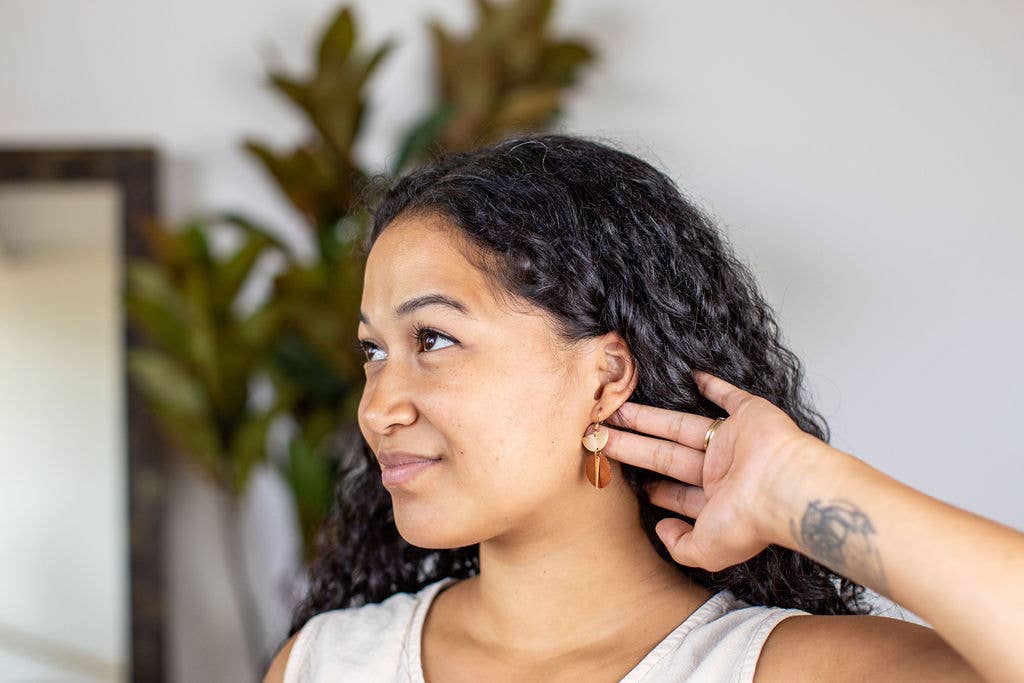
[858, 648]
[962, 573]
[755, 479]
[275, 673]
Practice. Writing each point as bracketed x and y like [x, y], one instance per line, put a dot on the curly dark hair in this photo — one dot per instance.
[603, 241]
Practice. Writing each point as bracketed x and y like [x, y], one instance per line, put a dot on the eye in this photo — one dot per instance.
[421, 335]
[425, 333]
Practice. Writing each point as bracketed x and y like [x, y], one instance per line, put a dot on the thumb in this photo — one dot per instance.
[677, 536]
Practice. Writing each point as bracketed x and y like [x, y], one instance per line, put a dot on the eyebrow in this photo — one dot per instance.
[421, 301]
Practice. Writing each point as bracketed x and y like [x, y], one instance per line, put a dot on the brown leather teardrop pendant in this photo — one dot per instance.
[599, 472]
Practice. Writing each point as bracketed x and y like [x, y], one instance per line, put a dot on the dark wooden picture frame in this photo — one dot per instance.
[133, 169]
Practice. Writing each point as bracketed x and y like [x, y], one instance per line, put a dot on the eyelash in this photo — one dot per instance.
[418, 332]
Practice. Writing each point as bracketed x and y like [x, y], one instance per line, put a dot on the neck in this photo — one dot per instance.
[582, 572]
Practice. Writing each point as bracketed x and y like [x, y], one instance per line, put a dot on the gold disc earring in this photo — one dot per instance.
[599, 472]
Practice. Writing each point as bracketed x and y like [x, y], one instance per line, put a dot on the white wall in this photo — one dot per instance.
[865, 158]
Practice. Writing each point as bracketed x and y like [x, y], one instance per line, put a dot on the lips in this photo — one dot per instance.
[401, 475]
[396, 458]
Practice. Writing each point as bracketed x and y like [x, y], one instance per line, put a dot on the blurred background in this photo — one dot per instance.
[179, 197]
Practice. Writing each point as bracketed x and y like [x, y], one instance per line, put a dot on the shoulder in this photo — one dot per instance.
[275, 674]
[856, 648]
[351, 639]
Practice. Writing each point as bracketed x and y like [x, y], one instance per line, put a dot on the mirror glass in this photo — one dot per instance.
[64, 575]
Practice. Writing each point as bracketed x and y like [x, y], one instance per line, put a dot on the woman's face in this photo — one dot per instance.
[488, 390]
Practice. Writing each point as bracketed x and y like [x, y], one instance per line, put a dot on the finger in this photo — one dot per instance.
[682, 498]
[684, 428]
[673, 460]
[677, 536]
[719, 391]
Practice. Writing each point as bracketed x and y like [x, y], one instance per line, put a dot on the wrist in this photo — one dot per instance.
[806, 470]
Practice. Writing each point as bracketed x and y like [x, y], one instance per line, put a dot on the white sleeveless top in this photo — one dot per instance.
[380, 642]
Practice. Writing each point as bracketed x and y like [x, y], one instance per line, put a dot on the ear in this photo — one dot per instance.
[615, 374]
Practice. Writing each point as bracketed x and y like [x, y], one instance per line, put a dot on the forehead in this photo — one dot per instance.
[418, 255]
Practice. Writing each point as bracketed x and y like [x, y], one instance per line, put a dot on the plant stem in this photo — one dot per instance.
[245, 598]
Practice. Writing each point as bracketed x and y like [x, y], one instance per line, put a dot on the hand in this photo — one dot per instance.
[727, 493]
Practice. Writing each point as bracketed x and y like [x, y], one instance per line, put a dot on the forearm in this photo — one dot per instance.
[962, 573]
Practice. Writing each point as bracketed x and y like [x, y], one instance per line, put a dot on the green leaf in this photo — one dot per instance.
[197, 246]
[202, 338]
[257, 330]
[252, 227]
[306, 369]
[318, 425]
[311, 479]
[232, 273]
[149, 282]
[162, 328]
[531, 15]
[294, 90]
[560, 62]
[528, 106]
[337, 40]
[289, 178]
[153, 304]
[476, 83]
[484, 11]
[374, 61]
[310, 476]
[166, 383]
[349, 409]
[419, 139]
[306, 177]
[248, 449]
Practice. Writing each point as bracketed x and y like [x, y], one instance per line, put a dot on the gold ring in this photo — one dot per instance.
[711, 431]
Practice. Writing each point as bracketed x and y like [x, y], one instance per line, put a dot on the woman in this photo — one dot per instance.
[533, 314]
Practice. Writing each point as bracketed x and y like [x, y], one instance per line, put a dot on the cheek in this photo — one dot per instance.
[513, 447]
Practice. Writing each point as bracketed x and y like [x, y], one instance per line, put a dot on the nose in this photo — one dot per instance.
[386, 401]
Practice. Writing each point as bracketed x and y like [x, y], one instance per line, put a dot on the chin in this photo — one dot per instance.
[432, 531]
